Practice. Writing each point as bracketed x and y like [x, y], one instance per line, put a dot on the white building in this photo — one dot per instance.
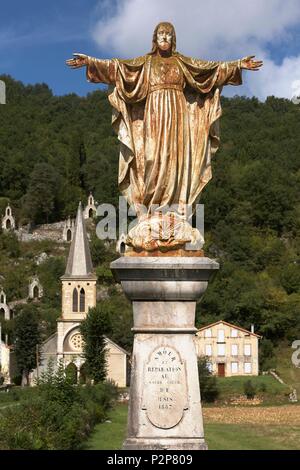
[229, 349]
[8, 220]
[90, 209]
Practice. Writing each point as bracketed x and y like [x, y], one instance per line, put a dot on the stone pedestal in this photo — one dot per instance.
[165, 406]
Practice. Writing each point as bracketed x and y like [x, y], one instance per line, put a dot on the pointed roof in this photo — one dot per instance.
[231, 325]
[79, 263]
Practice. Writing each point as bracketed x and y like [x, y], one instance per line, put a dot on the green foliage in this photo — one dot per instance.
[104, 274]
[98, 250]
[118, 311]
[56, 414]
[27, 337]
[266, 355]
[49, 274]
[9, 244]
[208, 383]
[93, 330]
[42, 195]
[249, 390]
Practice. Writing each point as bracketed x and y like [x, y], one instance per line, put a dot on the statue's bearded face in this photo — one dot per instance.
[164, 37]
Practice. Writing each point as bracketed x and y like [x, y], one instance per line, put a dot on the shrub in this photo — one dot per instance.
[249, 389]
[56, 415]
[208, 382]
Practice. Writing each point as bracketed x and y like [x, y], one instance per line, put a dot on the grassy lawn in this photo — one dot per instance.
[219, 436]
[266, 387]
[285, 368]
[110, 435]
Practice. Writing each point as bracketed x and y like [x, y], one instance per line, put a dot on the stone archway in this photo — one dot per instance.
[36, 292]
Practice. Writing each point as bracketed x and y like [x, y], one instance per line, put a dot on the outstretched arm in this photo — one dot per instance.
[229, 73]
[97, 70]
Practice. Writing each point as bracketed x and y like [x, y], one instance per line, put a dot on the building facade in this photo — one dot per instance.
[90, 209]
[230, 350]
[78, 295]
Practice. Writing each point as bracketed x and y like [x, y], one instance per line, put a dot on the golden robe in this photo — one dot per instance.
[165, 113]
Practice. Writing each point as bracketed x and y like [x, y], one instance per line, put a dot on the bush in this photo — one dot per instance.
[249, 390]
[56, 415]
[17, 379]
[208, 382]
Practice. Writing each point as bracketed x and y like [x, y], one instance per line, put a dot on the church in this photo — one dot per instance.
[78, 295]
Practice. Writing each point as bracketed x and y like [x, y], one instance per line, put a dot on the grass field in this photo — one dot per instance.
[256, 431]
[286, 370]
[267, 388]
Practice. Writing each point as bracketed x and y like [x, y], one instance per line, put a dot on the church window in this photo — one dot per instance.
[90, 213]
[82, 300]
[69, 235]
[8, 224]
[76, 342]
[2, 298]
[75, 300]
[2, 313]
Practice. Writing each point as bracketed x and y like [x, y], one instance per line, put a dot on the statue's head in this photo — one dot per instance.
[164, 38]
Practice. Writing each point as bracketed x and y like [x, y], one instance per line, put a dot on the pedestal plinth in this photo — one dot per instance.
[165, 406]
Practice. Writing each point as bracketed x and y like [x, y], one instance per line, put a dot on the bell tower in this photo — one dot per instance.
[78, 286]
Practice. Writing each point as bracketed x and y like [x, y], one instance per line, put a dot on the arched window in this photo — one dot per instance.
[69, 235]
[2, 298]
[82, 300]
[91, 200]
[90, 213]
[35, 292]
[75, 300]
[8, 211]
[8, 224]
[2, 313]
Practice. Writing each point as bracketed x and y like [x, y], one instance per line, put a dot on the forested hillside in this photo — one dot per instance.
[54, 150]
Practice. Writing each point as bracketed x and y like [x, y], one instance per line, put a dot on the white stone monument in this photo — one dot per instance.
[165, 404]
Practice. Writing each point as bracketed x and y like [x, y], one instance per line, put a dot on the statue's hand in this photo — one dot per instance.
[79, 60]
[249, 64]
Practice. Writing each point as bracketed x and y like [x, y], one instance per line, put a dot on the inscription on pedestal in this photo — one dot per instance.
[165, 391]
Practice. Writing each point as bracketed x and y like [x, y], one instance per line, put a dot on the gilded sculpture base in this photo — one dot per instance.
[163, 232]
[179, 252]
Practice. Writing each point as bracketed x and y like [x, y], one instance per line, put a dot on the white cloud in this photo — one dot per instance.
[212, 30]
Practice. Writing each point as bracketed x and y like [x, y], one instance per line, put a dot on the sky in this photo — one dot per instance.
[36, 37]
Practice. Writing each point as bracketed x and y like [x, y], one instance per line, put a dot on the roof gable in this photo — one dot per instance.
[231, 326]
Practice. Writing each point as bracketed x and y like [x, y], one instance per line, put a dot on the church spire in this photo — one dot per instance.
[79, 261]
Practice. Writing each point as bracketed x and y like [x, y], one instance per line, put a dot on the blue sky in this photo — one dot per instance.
[36, 37]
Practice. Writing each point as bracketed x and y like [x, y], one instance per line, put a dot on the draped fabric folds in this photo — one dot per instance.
[165, 113]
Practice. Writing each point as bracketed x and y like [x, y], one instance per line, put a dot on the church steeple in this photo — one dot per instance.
[79, 281]
[79, 263]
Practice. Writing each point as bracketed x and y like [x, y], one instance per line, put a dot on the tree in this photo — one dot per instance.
[93, 330]
[40, 199]
[27, 339]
